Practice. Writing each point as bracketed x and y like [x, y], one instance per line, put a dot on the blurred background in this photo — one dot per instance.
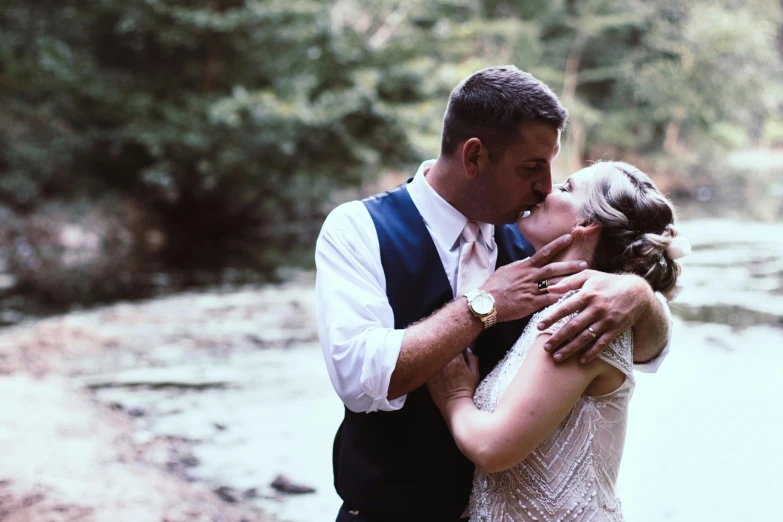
[166, 165]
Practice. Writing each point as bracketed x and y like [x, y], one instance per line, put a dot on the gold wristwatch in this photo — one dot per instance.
[482, 305]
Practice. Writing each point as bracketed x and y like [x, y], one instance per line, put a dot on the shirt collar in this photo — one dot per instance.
[445, 221]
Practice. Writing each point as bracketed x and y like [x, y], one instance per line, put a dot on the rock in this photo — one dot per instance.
[257, 340]
[8, 281]
[190, 461]
[136, 412]
[228, 494]
[286, 485]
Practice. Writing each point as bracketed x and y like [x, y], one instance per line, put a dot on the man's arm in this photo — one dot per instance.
[355, 321]
[429, 345]
[609, 304]
[652, 331]
[652, 365]
[371, 364]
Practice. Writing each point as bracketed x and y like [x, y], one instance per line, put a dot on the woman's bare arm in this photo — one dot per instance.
[537, 401]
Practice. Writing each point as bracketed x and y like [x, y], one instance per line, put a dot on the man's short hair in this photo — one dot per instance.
[491, 105]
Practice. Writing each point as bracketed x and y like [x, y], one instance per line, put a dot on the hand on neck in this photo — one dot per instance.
[581, 249]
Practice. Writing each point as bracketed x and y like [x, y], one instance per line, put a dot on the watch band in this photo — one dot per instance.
[490, 319]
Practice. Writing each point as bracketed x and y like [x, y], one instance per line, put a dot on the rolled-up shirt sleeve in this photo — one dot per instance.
[653, 365]
[355, 321]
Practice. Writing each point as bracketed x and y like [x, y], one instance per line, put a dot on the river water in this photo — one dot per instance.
[239, 376]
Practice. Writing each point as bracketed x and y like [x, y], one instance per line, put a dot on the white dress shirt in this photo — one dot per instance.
[354, 317]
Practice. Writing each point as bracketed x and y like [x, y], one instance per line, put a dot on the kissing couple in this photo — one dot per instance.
[481, 325]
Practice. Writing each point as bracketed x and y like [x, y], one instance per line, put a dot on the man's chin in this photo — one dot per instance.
[512, 218]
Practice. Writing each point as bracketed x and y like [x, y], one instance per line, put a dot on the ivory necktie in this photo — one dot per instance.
[474, 266]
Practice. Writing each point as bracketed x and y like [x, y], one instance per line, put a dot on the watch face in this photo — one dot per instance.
[482, 304]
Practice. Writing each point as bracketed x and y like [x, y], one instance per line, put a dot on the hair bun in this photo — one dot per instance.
[638, 234]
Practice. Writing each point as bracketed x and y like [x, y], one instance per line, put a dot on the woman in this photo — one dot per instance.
[547, 438]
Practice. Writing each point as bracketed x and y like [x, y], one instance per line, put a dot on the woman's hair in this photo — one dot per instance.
[637, 225]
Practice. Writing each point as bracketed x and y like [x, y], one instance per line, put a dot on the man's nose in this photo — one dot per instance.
[543, 185]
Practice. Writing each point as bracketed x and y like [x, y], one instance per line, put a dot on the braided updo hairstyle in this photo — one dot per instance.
[637, 225]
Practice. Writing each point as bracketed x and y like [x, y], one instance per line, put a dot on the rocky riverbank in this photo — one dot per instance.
[79, 446]
[187, 407]
[68, 458]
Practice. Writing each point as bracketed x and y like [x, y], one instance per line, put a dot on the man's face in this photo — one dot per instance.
[522, 176]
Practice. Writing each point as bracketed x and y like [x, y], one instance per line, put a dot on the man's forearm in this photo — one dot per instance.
[651, 331]
[430, 344]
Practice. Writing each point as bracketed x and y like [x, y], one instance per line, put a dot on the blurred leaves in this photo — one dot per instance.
[225, 117]
[233, 119]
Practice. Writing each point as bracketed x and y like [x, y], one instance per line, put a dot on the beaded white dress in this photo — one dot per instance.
[571, 476]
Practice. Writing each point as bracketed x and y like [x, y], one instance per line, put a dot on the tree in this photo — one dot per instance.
[230, 119]
[233, 120]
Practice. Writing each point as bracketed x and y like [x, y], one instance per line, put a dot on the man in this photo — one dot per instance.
[410, 278]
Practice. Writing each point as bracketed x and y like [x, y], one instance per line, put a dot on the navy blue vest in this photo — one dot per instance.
[404, 465]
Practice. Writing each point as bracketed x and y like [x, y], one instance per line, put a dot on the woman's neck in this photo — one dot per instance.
[579, 250]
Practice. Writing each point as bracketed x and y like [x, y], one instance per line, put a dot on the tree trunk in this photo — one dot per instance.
[213, 64]
[575, 136]
[575, 145]
[572, 66]
[671, 138]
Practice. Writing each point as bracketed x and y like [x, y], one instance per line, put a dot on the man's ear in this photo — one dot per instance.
[474, 156]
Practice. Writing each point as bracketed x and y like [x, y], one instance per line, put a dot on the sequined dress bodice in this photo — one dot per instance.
[571, 476]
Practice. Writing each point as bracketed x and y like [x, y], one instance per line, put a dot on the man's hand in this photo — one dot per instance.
[607, 303]
[515, 286]
[429, 345]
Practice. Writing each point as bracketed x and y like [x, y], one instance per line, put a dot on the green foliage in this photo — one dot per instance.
[234, 119]
[675, 81]
[226, 117]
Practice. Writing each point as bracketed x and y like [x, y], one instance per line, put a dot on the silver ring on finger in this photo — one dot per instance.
[542, 286]
[592, 332]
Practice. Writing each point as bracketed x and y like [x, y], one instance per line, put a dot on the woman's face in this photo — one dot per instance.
[559, 212]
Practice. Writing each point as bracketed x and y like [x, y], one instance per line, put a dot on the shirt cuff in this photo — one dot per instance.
[383, 349]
